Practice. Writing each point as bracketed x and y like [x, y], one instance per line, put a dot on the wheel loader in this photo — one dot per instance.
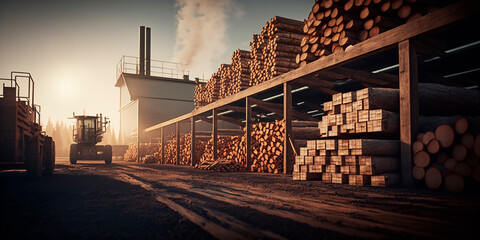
[88, 131]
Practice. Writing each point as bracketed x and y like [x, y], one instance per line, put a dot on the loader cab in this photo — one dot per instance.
[88, 130]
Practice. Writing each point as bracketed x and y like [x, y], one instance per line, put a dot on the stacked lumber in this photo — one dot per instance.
[334, 25]
[361, 112]
[142, 149]
[359, 162]
[374, 111]
[274, 49]
[448, 156]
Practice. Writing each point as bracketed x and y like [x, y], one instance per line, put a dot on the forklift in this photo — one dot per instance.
[23, 144]
[87, 132]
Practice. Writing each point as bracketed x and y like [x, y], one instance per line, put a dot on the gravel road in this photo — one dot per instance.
[133, 201]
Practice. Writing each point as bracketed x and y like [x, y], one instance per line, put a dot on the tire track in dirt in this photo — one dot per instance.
[237, 229]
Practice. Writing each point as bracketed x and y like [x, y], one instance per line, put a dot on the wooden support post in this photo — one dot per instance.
[192, 130]
[408, 91]
[287, 117]
[214, 132]
[177, 135]
[162, 135]
[248, 132]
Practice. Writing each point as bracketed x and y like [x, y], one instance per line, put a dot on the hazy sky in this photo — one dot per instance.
[71, 48]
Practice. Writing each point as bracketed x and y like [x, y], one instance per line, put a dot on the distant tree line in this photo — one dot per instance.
[62, 134]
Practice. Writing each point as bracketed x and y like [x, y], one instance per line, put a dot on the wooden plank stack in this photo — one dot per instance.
[361, 112]
[333, 25]
[274, 49]
[448, 156]
[356, 162]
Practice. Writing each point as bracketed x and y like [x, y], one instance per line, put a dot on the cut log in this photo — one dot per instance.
[454, 183]
[476, 173]
[433, 146]
[467, 140]
[417, 146]
[421, 159]
[472, 159]
[418, 173]
[476, 145]
[450, 164]
[461, 125]
[459, 152]
[441, 158]
[420, 136]
[463, 169]
[433, 178]
[427, 137]
[445, 135]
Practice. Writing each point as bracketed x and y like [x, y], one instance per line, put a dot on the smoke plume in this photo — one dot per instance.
[201, 33]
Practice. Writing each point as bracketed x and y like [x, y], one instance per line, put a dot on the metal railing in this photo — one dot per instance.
[130, 64]
[29, 98]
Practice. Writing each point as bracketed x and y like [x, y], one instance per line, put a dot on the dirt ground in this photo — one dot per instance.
[139, 201]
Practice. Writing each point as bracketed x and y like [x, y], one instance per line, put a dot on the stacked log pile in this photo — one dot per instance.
[241, 60]
[333, 25]
[267, 147]
[150, 149]
[274, 49]
[448, 156]
[226, 74]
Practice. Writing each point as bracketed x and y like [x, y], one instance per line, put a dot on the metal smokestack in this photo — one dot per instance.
[141, 69]
[147, 60]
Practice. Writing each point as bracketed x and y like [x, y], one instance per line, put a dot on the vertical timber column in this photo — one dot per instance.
[177, 135]
[408, 90]
[162, 135]
[287, 116]
[248, 132]
[192, 154]
[214, 132]
[147, 52]
[141, 64]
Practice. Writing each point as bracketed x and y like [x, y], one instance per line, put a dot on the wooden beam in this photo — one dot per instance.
[384, 41]
[287, 117]
[177, 135]
[316, 84]
[382, 79]
[277, 109]
[230, 120]
[193, 160]
[162, 135]
[314, 81]
[203, 118]
[408, 93]
[233, 108]
[248, 124]
[214, 130]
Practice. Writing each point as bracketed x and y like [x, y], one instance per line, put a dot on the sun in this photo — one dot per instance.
[65, 88]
